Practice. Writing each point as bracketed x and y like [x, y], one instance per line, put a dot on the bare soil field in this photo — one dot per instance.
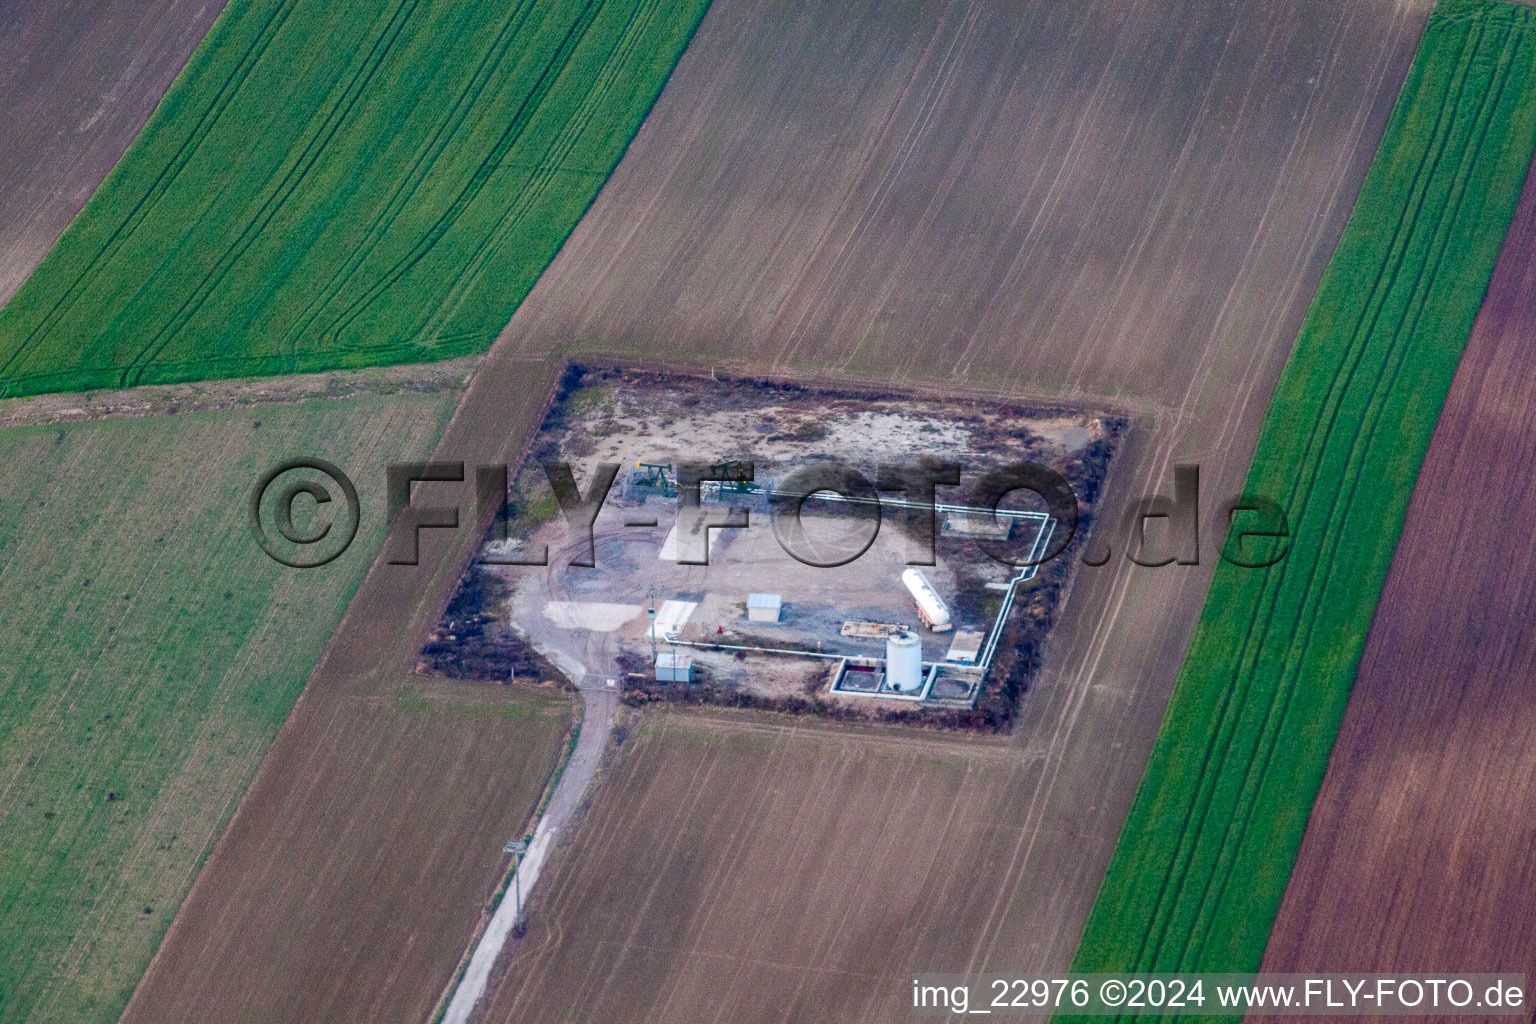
[1419, 852]
[445, 771]
[879, 834]
[1130, 203]
[79, 80]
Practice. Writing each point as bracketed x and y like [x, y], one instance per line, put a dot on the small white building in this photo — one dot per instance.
[764, 607]
[930, 606]
[673, 667]
[966, 647]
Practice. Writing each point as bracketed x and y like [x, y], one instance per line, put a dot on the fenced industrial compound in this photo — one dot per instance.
[868, 600]
[954, 680]
[840, 626]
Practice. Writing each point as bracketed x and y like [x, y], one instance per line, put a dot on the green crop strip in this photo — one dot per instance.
[1207, 850]
[151, 655]
[340, 185]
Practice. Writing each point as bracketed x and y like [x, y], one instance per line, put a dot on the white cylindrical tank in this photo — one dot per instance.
[904, 662]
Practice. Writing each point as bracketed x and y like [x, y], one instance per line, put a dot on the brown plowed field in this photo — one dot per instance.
[1421, 851]
[1121, 201]
[448, 775]
[78, 79]
[809, 814]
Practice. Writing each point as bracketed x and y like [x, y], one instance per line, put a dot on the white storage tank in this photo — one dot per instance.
[930, 606]
[904, 662]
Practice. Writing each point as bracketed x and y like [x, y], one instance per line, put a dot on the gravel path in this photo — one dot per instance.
[598, 704]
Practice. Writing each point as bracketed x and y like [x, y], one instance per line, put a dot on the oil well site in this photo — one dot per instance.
[752, 587]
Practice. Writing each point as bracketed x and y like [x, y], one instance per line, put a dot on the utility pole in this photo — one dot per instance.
[517, 848]
[651, 593]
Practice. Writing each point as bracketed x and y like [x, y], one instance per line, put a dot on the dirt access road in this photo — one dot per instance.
[78, 80]
[202, 396]
[599, 704]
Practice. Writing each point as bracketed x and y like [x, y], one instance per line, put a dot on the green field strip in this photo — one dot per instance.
[151, 654]
[1206, 852]
[330, 186]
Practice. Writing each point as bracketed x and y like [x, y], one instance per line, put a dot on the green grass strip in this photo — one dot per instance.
[151, 653]
[340, 185]
[1208, 847]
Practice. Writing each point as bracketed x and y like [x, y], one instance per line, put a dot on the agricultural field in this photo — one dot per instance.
[1019, 219]
[1198, 875]
[399, 189]
[1428, 810]
[395, 858]
[971, 198]
[882, 846]
[152, 652]
[79, 82]
[364, 851]
[1160, 252]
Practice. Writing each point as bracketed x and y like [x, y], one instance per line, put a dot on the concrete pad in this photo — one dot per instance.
[598, 616]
